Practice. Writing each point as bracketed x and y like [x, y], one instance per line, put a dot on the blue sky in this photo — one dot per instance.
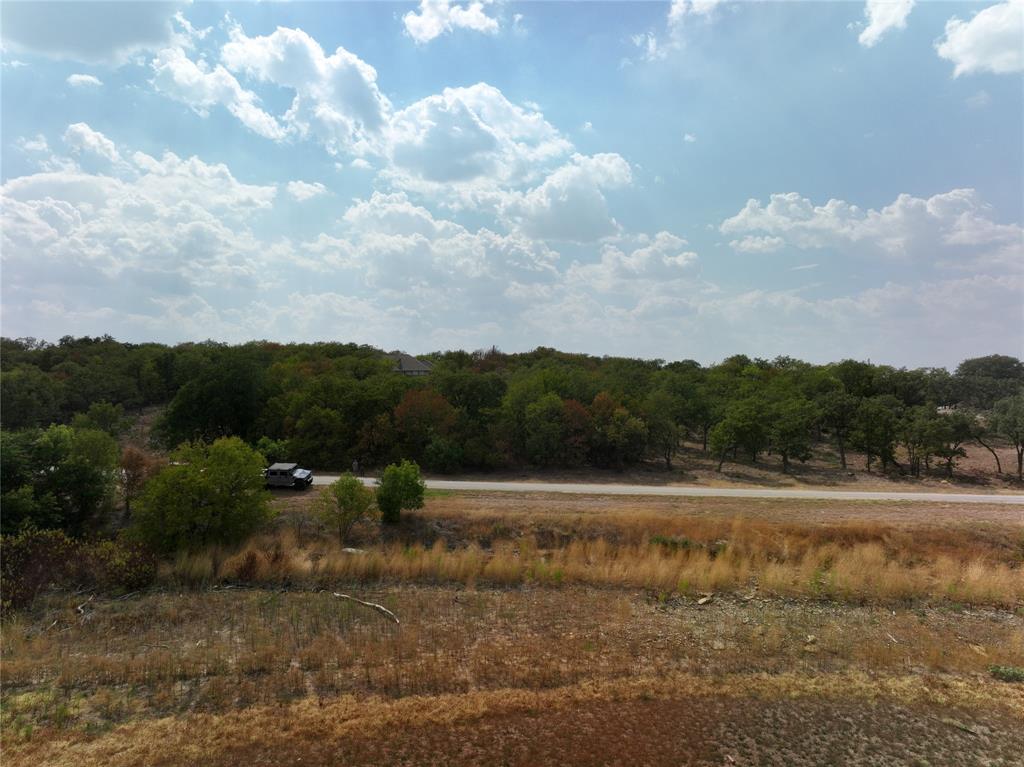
[676, 180]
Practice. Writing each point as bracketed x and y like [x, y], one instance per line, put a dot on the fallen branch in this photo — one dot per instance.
[81, 607]
[379, 608]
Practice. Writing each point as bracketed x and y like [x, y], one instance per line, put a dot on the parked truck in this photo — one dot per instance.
[288, 475]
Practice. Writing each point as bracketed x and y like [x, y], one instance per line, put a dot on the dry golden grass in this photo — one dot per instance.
[228, 653]
[839, 564]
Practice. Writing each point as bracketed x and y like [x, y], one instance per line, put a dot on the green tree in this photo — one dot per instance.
[744, 428]
[74, 472]
[344, 503]
[103, 416]
[545, 431]
[958, 427]
[789, 431]
[919, 430]
[400, 487]
[274, 450]
[211, 493]
[660, 412]
[1008, 421]
[838, 409]
[874, 429]
[30, 398]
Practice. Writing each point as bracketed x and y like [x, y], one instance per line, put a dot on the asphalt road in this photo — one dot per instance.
[698, 492]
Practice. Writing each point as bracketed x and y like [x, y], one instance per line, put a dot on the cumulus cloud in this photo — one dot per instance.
[159, 225]
[882, 16]
[471, 137]
[755, 244]
[465, 146]
[438, 17]
[954, 225]
[303, 190]
[336, 97]
[989, 42]
[662, 258]
[93, 32]
[199, 87]
[81, 138]
[398, 244]
[84, 81]
[570, 203]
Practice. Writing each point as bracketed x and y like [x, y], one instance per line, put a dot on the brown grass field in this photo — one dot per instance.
[547, 630]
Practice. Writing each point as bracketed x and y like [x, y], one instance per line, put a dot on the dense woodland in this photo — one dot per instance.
[329, 404]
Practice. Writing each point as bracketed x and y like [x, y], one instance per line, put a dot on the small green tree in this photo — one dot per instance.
[210, 494]
[400, 487]
[1008, 421]
[103, 416]
[344, 503]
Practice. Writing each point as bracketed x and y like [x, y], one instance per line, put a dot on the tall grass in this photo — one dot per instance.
[745, 560]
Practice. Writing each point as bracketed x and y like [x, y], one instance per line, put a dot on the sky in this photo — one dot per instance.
[684, 180]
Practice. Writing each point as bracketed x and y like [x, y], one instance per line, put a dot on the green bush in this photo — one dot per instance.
[343, 504]
[400, 487]
[1007, 673]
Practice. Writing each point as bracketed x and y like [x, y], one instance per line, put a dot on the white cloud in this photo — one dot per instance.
[35, 144]
[955, 225]
[882, 16]
[336, 97]
[655, 46]
[81, 138]
[754, 244]
[470, 137]
[398, 244]
[394, 214]
[108, 33]
[200, 87]
[570, 203]
[438, 17]
[84, 81]
[689, 138]
[663, 258]
[303, 190]
[989, 42]
[151, 228]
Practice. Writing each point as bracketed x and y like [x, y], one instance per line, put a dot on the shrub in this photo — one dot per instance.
[32, 561]
[35, 560]
[118, 565]
[344, 503]
[400, 487]
[1007, 673]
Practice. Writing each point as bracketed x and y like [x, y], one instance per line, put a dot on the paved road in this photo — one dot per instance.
[698, 492]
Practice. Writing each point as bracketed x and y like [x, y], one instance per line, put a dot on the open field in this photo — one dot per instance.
[547, 630]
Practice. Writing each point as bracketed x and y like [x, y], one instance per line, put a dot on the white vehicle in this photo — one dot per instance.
[288, 475]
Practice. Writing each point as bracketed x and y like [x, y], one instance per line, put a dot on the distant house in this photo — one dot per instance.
[408, 365]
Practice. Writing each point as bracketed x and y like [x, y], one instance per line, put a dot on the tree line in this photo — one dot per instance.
[329, 404]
